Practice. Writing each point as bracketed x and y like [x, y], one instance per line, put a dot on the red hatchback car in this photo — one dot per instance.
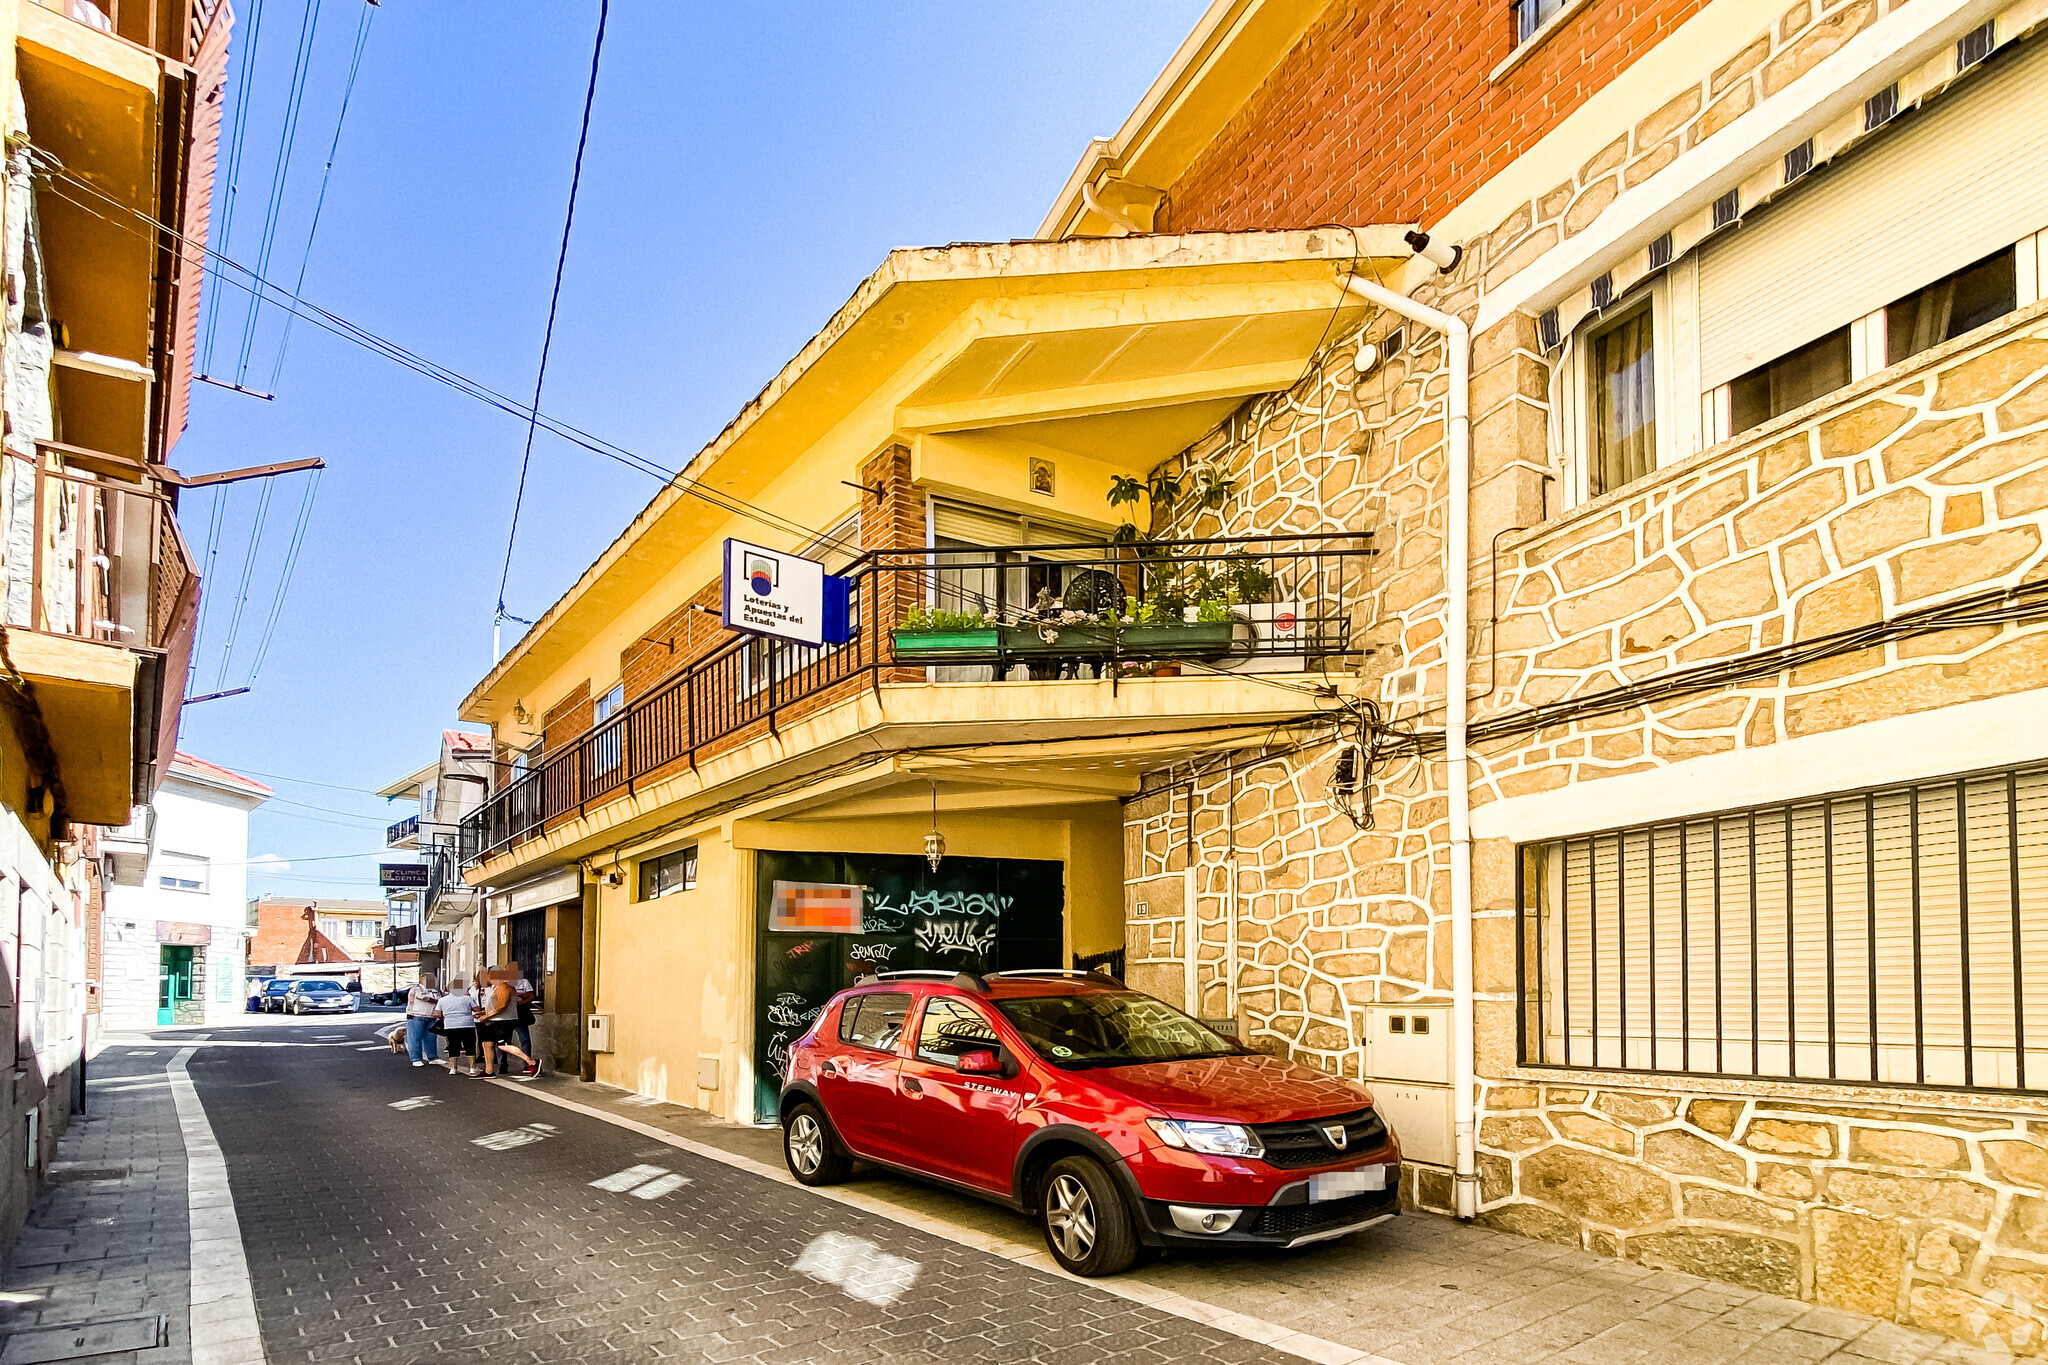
[1119, 1122]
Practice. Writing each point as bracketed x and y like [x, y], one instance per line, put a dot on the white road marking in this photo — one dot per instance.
[416, 1102]
[224, 1330]
[661, 1185]
[858, 1266]
[620, 1181]
[1034, 1254]
[506, 1139]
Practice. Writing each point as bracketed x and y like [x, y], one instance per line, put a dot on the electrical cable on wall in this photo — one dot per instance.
[554, 302]
[235, 144]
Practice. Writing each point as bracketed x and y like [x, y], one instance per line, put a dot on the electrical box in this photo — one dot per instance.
[707, 1073]
[599, 1033]
[1408, 1043]
[1420, 1116]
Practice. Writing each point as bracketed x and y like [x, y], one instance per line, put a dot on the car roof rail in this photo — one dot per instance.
[890, 976]
[1092, 974]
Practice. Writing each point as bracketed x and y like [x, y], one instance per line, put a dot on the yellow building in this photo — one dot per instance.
[947, 442]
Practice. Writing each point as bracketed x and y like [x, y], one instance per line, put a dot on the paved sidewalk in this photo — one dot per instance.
[1422, 1290]
[109, 1238]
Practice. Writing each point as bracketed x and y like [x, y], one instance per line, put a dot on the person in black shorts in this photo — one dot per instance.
[499, 1019]
[457, 1012]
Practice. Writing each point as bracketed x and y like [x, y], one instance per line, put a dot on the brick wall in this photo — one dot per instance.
[1386, 113]
[566, 719]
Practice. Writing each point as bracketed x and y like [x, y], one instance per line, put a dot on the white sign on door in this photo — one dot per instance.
[771, 593]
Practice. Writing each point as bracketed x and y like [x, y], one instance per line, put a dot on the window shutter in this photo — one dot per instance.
[975, 525]
[1957, 181]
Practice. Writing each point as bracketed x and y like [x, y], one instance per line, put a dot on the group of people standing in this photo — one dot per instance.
[483, 1019]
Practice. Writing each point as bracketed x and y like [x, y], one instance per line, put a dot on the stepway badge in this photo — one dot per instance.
[771, 593]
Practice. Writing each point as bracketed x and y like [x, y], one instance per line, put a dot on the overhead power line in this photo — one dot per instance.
[280, 171]
[371, 341]
[540, 377]
[235, 143]
[355, 63]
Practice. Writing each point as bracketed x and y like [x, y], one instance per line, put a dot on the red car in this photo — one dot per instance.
[1118, 1121]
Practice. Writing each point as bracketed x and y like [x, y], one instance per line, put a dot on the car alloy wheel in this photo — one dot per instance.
[806, 1145]
[1070, 1217]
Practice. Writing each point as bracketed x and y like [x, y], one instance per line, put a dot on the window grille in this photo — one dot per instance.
[1874, 937]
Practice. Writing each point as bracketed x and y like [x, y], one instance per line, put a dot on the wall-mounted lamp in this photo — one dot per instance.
[935, 842]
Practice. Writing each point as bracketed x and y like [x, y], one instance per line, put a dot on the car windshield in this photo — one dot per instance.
[1102, 1028]
[318, 987]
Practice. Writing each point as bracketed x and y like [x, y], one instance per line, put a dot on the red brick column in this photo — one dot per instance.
[893, 521]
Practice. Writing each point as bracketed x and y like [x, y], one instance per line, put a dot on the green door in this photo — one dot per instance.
[173, 982]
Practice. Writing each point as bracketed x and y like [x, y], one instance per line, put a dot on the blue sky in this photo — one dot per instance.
[747, 167]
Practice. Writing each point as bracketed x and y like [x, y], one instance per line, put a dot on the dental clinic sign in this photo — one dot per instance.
[783, 596]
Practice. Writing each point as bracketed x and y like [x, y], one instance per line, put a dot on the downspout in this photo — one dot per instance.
[1457, 574]
[1115, 216]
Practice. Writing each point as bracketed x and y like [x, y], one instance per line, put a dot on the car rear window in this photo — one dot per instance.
[875, 1020]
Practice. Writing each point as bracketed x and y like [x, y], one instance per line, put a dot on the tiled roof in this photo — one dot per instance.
[463, 742]
[213, 772]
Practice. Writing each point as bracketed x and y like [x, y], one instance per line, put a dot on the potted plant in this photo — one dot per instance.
[929, 633]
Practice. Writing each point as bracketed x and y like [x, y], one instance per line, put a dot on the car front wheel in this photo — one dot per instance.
[1087, 1226]
[808, 1146]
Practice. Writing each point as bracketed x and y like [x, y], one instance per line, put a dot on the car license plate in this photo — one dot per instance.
[1344, 1184]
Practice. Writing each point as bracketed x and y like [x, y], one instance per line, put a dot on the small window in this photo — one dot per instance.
[1790, 381]
[675, 871]
[1531, 15]
[362, 928]
[181, 872]
[950, 1029]
[608, 749]
[874, 1021]
[1623, 364]
[1946, 309]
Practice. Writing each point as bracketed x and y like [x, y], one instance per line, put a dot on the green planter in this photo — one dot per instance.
[1190, 640]
[916, 646]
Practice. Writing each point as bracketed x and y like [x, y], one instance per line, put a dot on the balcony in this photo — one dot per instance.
[98, 617]
[404, 834]
[1049, 637]
[170, 30]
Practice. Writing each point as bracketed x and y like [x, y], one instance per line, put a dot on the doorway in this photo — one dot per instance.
[173, 982]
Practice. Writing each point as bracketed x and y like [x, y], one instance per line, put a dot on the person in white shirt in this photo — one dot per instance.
[457, 1011]
[420, 1043]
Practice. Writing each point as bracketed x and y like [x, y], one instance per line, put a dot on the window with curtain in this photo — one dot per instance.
[1623, 427]
[1791, 381]
[608, 749]
[1531, 15]
[1946, 309]
[1892, 937]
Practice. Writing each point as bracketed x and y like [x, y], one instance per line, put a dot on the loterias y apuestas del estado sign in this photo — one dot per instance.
[783, 596]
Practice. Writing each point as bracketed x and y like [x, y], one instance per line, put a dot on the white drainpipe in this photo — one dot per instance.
[1457, 573]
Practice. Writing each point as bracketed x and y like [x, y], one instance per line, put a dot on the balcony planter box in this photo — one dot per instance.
[1192, 640]
[918, 645]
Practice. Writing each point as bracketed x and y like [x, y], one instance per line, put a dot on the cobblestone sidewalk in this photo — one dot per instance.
[1422, 1290]
[109, 1236]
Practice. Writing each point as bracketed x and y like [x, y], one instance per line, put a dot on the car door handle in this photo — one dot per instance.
[913, 1085]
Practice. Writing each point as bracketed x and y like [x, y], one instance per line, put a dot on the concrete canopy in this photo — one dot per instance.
[85, 693]
[1110, 354]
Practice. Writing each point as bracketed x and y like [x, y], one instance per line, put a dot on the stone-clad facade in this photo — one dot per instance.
[1923, 483]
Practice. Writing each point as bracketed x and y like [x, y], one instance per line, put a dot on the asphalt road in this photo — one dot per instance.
[394, 1214]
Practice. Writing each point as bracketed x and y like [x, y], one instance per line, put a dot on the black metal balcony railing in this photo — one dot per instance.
[1095, 611]
[408, 828]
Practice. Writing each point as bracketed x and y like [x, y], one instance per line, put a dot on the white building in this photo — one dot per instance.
[175, 941]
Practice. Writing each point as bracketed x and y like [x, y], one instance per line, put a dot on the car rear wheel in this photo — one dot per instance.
[810, 1149]
[1087, 1226]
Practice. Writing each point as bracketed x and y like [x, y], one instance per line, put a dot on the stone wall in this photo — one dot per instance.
[1934, 1215]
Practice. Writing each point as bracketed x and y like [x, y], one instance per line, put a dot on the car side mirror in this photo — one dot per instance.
[978, 1064]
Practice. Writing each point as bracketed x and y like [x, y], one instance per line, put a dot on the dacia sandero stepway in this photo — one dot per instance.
[1117, 1121]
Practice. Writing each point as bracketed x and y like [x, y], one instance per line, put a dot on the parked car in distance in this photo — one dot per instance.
[273, 994]
[1118, 1122]
[317, 995]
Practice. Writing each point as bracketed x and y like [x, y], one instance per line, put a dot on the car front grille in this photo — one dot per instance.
[1299, 1220]
[1294, 1146]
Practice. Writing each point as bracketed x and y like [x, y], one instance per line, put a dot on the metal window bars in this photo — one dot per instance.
[1876, 937]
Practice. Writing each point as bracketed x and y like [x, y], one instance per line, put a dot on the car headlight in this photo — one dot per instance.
[1216, 1139]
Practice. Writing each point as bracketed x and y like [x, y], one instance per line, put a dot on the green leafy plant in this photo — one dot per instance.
[923, 619]
[1245, 578]
[1213, 611]
[1212, 489]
